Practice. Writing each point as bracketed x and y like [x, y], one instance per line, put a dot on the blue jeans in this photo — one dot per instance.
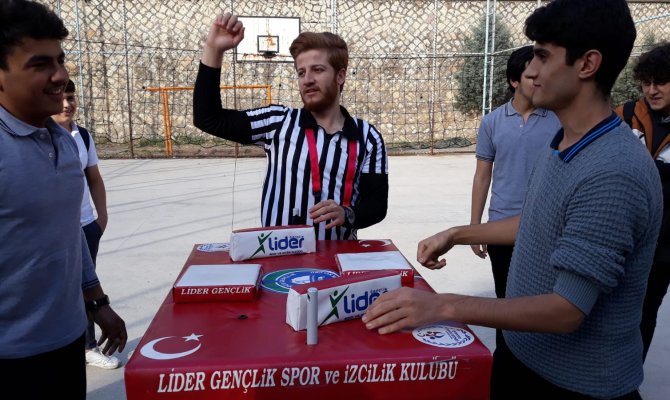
[93, 234]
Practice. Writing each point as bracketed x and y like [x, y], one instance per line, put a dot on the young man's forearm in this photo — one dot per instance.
[549, 313]
[372, 208]
[498, 232]
[98, 193]
[212, 57]
[480, 187]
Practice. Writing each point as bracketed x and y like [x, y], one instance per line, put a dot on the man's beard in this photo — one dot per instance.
[328, 96]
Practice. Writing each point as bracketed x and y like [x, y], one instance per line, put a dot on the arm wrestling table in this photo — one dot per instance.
[245, 350]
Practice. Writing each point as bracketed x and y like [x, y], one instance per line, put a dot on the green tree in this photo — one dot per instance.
[626, 87]
[470, 77]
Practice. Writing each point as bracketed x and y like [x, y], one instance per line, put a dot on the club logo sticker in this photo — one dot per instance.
[212, 247]
[443, 336]
[282, 281]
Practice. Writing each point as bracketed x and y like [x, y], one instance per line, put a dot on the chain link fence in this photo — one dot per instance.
[128, 57]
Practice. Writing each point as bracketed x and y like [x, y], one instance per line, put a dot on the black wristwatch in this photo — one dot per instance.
[349, 216]
[94, 305]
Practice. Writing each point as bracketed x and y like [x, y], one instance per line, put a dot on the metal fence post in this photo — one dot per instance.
[81, 65]
[486, 56]
[431, 110]
[492, 54]
[130, 103]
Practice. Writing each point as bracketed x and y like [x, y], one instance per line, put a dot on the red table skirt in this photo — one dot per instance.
[245, 350]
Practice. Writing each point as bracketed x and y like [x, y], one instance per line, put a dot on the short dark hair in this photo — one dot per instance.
[582, 25]
[517, 63]
[70, 87]
[21, 19]
[654, 65]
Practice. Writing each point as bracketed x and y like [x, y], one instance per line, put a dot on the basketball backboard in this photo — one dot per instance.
[267, 39]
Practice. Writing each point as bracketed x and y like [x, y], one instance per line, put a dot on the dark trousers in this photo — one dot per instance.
[60, 373]
[511, 379]
[657, 286]
[93, 234]
[501, 258]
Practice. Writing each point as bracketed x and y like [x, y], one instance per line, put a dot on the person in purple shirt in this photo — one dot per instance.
[47, 279]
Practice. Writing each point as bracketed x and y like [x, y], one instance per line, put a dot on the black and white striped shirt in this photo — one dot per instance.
[288, 181]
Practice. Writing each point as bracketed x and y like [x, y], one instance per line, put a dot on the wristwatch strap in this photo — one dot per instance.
[94, 305]
[349, 216]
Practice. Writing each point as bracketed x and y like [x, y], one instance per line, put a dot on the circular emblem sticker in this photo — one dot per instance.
[443, 336]
[281, 281]
[212, 247]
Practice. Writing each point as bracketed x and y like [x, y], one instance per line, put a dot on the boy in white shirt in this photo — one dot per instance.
[94, 189]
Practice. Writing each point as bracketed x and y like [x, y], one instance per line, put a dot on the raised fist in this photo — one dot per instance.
[225, 33]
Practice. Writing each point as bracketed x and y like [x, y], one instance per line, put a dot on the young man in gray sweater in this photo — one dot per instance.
[585, 239]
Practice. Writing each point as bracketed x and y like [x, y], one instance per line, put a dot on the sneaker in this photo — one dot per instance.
[95, 358]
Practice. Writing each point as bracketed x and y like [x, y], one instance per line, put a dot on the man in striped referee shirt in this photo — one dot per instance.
[325, 168]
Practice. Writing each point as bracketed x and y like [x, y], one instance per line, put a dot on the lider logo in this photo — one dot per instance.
[278, 245]
[334, 300]
[353, 305]
[261, 241]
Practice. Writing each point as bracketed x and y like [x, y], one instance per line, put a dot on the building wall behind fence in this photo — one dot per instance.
[403, 59]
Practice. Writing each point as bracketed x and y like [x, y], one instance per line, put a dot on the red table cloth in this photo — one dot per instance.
[245, 350]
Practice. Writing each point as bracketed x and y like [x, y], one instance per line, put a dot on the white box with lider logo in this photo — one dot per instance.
[339, 299]
[271, 241]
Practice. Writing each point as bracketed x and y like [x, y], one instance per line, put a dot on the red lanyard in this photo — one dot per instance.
[316, 174]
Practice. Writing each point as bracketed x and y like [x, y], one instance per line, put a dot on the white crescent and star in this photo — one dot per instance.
[379, 242]
[149, 351]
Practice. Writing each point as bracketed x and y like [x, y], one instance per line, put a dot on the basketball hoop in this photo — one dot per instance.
[267, 39]
[269, 54]
[267, 45]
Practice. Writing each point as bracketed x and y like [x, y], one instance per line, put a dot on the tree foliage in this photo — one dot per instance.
[470, 77]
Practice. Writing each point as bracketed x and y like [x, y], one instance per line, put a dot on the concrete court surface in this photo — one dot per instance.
[159, 208]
